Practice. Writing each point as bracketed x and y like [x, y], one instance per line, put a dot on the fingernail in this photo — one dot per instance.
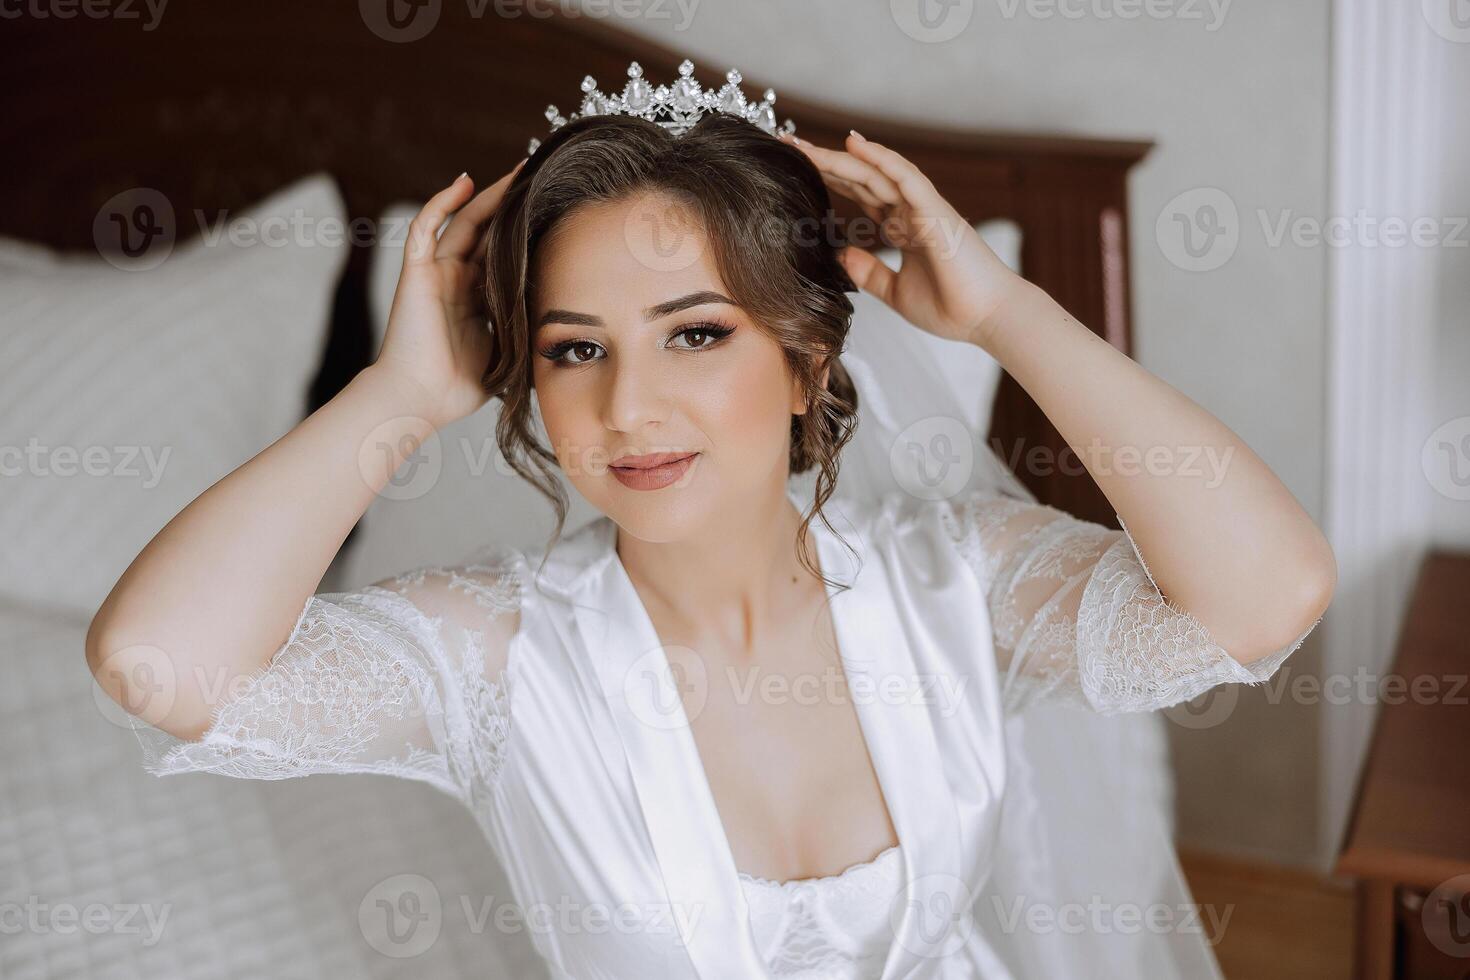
[461, 177]
[858, 135]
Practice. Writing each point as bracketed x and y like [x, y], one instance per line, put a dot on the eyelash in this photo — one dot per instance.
[715, 330]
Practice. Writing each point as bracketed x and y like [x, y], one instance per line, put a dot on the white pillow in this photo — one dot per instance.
[476, 498]
[126, 394]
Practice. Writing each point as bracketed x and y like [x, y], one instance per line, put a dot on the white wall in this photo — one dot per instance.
[1238, 103]
[1451, 514]
[1399, 124]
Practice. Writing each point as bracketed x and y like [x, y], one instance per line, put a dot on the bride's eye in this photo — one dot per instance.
[709, 334]
[581, 346]
[702, 336]
[556, 352]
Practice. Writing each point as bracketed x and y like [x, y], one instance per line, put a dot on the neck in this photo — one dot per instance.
[734, 577]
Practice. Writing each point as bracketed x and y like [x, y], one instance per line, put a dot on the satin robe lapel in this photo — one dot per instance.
[678, 807]
[899, 731]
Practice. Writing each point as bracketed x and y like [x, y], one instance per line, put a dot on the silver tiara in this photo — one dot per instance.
[675, 107]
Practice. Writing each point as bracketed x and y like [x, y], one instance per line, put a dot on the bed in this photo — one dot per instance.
[220, 105]
[211, 108]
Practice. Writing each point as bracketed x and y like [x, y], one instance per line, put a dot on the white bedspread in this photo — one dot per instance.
[107, 872]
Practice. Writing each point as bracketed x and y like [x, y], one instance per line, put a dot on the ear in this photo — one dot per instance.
[798, 402]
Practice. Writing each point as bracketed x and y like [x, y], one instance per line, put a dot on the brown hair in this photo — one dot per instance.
[759, 202]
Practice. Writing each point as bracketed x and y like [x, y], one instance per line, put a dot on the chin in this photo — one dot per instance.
[669, 513]
[657, 523]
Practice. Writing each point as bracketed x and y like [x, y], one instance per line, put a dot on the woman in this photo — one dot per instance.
[755, 743]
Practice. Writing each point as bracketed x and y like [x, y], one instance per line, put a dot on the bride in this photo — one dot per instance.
[738, 732]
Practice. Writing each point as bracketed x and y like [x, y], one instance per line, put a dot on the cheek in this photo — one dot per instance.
[568, 413]
[745, 397]
[736, 399]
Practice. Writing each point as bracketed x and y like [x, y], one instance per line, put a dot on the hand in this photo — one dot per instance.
[949, 282]
[437, 339]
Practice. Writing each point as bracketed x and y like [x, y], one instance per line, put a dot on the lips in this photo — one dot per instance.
[649, 461]
[653, 471]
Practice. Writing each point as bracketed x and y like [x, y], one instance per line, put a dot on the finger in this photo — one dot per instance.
[859, 172]
[424, 228]
[860, 194]
[806, 149]
[857, 192]
[909, 179]
[463, 233]
[875, 210]
[854, 170]
[868, 272]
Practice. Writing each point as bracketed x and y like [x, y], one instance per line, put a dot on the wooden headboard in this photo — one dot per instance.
[217, 105]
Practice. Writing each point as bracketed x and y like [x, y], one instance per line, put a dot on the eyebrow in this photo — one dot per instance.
[658, 311]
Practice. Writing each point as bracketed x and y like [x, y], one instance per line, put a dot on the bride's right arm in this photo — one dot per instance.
[409, 676]
[207, 638]
[212, 599]
[217, 590]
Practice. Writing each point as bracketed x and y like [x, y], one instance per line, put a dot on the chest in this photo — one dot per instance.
[630, 762]
[781, 743]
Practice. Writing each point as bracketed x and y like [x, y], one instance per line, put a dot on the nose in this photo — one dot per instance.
[637, 393]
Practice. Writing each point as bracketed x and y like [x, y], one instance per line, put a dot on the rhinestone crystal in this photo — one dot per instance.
[675, 107]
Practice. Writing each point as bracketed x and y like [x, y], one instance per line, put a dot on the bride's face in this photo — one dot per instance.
[638, 349]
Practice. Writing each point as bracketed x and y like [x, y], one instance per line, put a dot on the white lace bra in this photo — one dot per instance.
[828, 927]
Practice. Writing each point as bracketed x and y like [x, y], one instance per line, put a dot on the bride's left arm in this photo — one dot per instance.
[1228, 544]
[1223, 536]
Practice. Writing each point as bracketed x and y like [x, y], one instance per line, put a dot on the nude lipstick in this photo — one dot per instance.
[653, 471]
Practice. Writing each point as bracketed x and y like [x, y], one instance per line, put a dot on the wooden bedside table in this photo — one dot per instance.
[1409, 841]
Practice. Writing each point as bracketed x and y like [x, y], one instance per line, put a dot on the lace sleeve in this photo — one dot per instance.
[406, 677]
[1078, 617]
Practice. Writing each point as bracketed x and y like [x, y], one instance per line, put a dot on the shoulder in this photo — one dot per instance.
[907, 532]
[984, 528]
[482, 591]
[960, 516]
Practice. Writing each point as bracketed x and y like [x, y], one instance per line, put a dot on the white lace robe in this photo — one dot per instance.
[524, 693]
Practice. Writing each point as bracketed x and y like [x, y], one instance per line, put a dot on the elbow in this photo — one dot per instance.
[1323, 582]
[113, 667]
[98, 646]
[1317, 580]
[94, 646]
[140, 678]
[1300, 605]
